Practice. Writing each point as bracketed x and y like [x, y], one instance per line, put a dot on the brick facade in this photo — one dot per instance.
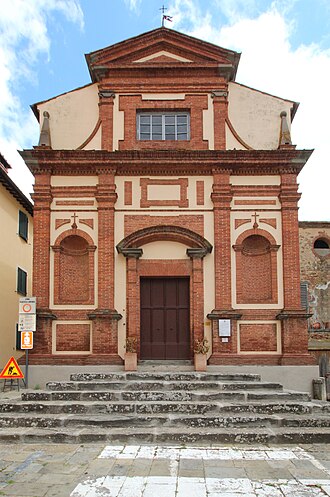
[186, 208]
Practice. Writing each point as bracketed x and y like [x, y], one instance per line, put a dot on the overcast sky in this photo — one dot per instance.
[285, 47]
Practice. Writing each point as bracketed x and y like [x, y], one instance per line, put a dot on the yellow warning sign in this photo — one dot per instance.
[11, 370]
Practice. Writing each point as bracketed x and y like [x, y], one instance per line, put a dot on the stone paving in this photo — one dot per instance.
[93, 470]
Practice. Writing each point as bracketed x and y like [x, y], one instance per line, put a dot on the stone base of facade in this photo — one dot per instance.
[297, 359]
[73, 359]
[262, 359]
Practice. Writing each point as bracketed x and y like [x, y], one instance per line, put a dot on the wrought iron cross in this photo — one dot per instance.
[255, 224]
[74, 224]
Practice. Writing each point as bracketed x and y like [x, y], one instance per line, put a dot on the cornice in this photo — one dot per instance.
[165, 162]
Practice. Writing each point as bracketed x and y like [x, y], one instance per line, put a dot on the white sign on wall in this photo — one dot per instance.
[224, 328]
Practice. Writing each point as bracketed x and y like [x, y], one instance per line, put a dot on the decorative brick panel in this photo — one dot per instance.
[72, 337]
[84, 203]
[193, 222]
[255, 202]
[258, 337]
[182, 201]
[87, 222]
[270, 222]
[200, 193]
[61, 222]
[240, 222]
[128, 191]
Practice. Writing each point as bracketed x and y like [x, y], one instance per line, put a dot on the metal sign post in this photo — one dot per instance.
[27, 325]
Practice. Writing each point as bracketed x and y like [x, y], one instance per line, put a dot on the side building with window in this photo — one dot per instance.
[166, 212]
[16, 242]
[315, 280]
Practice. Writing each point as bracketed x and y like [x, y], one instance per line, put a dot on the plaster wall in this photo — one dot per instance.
[255, 116]
[14, 252]
[73, 117]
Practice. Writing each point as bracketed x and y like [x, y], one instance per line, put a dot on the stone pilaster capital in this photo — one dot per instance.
[131, 253]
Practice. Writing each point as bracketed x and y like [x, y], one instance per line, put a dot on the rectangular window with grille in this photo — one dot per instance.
[163, 126]
[23, 225]
[304, 295]
[21, 281]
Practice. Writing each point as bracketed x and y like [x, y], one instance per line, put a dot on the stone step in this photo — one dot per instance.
[129, 421]
[170, 396]
[149, 408]
[159, 386]
[165, 376]
[269, 435]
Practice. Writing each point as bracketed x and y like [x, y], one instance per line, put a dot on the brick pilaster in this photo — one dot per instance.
[289, 197]
[106, 197]
[293, 317]
[132, 295]
[197, 303]
[106, 116]
[220, 113]
[221, 197]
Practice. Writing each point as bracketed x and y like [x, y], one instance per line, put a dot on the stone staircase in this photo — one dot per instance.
[159, 407]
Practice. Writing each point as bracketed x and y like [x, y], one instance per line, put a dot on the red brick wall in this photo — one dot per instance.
[74, 275]
[72, 337]
[195, 104]
[258, 337]
[192, 222]
[254, 272]
[74, 268]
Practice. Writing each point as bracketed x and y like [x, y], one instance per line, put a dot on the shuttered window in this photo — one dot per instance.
[21, 281]
[23, 225]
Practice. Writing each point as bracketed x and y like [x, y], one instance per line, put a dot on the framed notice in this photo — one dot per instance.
[224, 328]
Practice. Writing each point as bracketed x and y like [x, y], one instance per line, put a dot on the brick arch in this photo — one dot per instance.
[76, 232]
[259, 232]
[169, 233]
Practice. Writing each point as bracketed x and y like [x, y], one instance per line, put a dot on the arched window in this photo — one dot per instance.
[321, 247]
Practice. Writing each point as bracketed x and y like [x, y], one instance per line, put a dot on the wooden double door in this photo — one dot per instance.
[164, 318]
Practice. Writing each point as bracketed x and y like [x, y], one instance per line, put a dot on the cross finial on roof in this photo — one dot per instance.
[165, 17]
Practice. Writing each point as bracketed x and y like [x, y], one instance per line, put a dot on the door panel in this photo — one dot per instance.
[165, 318]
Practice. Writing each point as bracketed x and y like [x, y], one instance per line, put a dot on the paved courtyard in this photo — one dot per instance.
[50, 470]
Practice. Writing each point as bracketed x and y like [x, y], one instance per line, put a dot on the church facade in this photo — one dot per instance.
[166, 212]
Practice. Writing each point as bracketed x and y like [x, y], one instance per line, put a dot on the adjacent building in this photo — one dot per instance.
[315, 276]
[16, 226]
[165, 212]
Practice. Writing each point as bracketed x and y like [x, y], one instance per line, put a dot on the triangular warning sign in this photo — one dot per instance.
[11, 370]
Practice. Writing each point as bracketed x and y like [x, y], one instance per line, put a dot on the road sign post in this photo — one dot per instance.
[27, 325]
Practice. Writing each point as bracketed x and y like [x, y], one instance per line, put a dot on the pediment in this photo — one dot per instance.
[160, 46]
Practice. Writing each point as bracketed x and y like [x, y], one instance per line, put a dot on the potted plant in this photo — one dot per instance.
[200, 350]
[130, 354]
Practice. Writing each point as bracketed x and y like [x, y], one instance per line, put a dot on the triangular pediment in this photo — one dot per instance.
[160, 46]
